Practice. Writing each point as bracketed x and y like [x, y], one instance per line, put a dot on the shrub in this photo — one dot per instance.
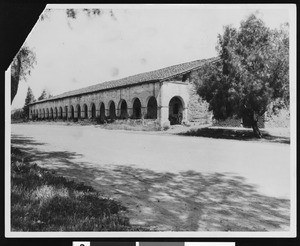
[100, 120]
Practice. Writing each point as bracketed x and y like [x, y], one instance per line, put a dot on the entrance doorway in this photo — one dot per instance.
[176, 110]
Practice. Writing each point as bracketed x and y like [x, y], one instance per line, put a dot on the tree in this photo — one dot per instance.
[252, 72]
[26, 58]
[21, 68]
[29, 99]
[45, 95]
[17, 115]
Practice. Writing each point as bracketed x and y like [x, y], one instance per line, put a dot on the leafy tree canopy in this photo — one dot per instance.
[21, 68]
[252, 72]
[74, 13]
[45, 95]
[25, 60]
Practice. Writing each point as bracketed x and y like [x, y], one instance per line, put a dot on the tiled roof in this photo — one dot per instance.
[156, 75]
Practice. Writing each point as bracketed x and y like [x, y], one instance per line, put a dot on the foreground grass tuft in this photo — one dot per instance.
[42, 201]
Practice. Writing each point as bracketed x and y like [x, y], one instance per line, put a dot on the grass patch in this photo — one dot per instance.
[236, 134]
[42, 201]
[128, 124]
[133, 125]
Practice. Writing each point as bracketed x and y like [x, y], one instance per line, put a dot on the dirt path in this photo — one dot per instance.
[161, 180]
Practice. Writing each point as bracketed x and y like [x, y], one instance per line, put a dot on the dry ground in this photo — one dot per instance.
[171, 182]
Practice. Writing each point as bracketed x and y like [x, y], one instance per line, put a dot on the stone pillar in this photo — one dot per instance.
[76, 113]
[164, 116]
[143, 112]
[106, 112]
[118, 112]
[82, 114]
[70, 113]
[98, 110]
[130, 112]
[163, 109]
[64, 114]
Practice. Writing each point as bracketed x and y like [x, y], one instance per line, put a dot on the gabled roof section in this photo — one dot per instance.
[152, 76]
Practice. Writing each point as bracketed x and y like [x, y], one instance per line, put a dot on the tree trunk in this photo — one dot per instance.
[254, 125]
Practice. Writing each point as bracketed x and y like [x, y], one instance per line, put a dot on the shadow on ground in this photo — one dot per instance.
[236, 134]
[186, 201]
[28, 146]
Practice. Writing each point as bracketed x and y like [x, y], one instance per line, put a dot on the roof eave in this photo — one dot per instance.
[190, 70]
[107, 89]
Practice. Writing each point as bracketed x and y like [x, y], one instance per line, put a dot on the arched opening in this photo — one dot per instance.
[44, 114]
[102, 112]
[47, 113]
[72, 113]
[93, 111]
[40, 114]
[55, 113]
[152, 108]
[123, 109]
[60, 116]
[137, 109]
[51, 113]
[66, 113]
[112, 110]
[175, 111]
[78, 109]
[85, 110]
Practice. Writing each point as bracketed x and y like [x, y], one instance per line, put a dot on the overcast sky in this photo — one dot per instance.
[74, 53]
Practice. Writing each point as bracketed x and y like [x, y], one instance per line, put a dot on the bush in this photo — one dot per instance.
[17, 115]
[100, 120]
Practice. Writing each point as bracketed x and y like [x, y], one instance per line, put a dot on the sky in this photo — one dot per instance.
[75, 53]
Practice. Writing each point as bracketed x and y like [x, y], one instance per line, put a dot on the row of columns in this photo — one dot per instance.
[83, 116]
[99, 112]
[163, 113]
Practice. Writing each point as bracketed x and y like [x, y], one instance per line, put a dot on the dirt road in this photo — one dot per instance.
[160, 176]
